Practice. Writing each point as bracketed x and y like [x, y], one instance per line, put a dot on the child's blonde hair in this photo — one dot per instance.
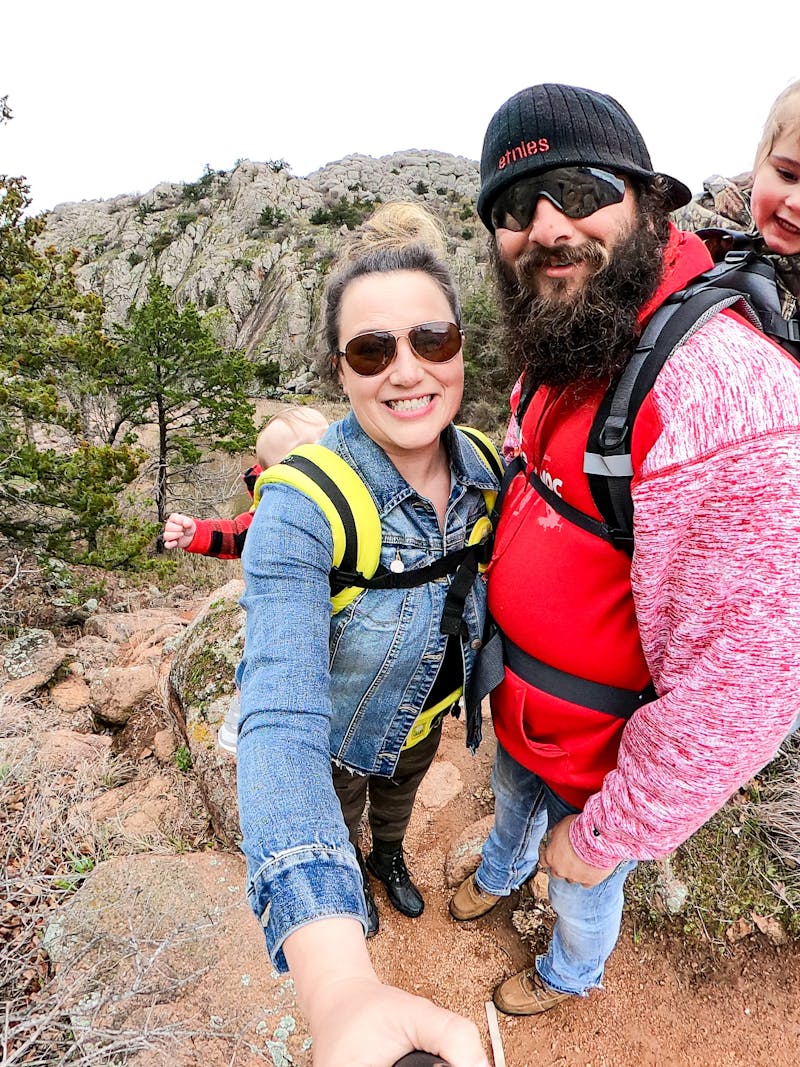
[783, 117]
[297, 425]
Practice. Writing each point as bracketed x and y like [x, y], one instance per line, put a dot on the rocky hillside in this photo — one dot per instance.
[252, 246]
[126, 938]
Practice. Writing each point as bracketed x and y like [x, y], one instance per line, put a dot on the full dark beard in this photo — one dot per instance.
[560, 340]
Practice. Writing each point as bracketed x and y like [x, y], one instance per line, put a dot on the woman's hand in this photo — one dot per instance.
[356, 1020]
[363, 1023]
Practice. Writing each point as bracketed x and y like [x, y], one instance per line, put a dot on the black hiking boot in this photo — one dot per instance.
[386, 861]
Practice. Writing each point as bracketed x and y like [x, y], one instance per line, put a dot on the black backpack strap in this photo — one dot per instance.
[486, 450]
[463, 564]
[386, 579]
[609, 699]
[607, 460]
[513, 468]
[572, 514]
[743, 270]
[720, 241]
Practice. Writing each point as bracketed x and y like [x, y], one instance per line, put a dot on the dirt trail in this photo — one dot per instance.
[663, 1004]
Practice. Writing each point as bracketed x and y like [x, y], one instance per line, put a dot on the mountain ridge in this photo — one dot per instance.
[252, 246]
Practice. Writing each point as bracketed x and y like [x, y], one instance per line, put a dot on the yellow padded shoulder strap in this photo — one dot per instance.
[489, 457]
[345, 501]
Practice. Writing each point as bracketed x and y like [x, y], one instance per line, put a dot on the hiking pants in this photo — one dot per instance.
[391, 800]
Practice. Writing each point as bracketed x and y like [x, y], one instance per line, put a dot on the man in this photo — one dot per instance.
[637, 695]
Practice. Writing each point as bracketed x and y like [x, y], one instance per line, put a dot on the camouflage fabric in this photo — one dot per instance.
[725, 203]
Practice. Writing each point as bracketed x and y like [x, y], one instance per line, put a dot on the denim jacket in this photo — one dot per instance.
[317, 686]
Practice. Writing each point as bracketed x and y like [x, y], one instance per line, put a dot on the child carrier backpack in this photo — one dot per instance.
[355, 526]
[738, 266]
[742, 279]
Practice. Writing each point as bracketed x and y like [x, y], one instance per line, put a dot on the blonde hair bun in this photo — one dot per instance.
[395, 225]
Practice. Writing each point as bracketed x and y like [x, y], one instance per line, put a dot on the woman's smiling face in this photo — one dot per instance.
[404, 407]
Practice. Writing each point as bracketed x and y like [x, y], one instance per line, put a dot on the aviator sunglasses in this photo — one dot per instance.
[368, 353]
[576, 191]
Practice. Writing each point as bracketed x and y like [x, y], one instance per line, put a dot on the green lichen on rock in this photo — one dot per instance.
[207, 677]
[206, 660]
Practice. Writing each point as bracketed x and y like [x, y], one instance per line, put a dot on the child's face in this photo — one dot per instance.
[775, 199]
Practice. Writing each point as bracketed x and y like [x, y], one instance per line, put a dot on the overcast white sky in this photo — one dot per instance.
[112, 97]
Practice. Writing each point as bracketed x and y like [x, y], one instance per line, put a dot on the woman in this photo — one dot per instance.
[351, 687]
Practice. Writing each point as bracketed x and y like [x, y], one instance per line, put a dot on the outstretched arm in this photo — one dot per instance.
[356, 1020]
[304, 883]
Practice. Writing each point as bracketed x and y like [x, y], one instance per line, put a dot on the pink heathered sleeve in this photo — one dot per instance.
[716, 582]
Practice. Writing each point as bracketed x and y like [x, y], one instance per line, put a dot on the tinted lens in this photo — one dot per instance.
[369, 353]
[435, 341]
[577, 191]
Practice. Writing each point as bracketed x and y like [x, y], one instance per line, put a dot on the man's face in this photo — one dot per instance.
[571, 290]
[556, 255]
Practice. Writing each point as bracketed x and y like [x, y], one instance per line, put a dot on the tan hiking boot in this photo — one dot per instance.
[526, 994]
[470, 901]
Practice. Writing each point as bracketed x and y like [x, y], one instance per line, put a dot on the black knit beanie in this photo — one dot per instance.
[550, 126]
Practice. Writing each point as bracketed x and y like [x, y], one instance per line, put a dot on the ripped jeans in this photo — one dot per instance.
[588, 920]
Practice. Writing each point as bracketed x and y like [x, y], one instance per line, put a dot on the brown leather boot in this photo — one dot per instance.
[526, 994]
[470, 901]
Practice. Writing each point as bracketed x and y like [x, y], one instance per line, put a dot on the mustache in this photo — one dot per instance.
[535, 258]
[590, 335]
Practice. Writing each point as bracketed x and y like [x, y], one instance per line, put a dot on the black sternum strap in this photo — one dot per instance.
[572, 514]
[463, 564]
[386, 579]
[609, 699]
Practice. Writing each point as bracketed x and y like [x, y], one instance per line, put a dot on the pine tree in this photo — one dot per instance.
[59, 489]
[170, 371]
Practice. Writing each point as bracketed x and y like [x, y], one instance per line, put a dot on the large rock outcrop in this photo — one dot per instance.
[199, 690]
[252, 246]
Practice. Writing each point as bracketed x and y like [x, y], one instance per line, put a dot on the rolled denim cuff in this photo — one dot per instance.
[302, 885]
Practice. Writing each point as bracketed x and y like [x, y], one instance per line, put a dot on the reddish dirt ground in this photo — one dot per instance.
[664, 1003]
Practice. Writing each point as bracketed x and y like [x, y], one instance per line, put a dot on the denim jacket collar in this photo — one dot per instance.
[386, 483]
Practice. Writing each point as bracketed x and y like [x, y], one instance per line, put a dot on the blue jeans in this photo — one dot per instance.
[587, 920]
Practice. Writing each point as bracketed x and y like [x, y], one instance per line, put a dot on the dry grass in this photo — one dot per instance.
[47, 848]
[776, 806]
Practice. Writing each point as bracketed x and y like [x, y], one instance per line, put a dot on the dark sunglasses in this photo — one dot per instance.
[368, 353]
[577, 191]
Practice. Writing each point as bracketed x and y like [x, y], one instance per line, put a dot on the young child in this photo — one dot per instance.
[763, 205]
[224, 538]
